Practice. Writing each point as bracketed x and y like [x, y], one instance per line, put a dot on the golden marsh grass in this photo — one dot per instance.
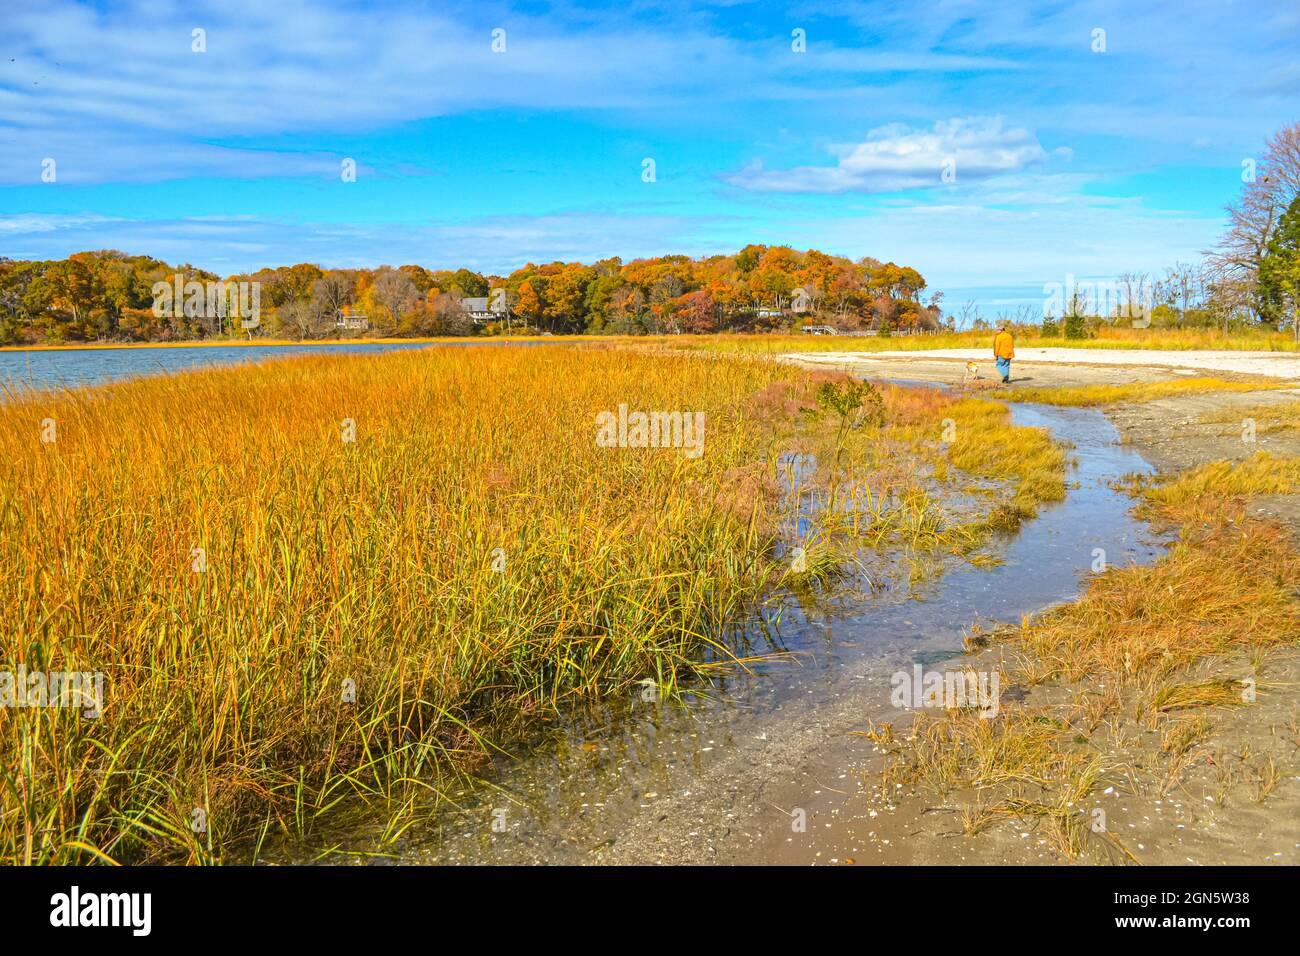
[295, 626]
[331, 564]
[1094, 395]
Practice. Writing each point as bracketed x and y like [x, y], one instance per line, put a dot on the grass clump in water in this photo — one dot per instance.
[898, 463]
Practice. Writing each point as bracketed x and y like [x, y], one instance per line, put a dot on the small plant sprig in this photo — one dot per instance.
[857, 403]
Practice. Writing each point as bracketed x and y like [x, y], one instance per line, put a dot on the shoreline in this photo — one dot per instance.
[1235, 799]
[278, 343]
[956, 347]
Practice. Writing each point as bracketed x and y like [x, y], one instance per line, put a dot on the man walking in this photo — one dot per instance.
[1004, 350]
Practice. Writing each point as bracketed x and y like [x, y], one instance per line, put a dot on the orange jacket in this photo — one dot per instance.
[1004, 345]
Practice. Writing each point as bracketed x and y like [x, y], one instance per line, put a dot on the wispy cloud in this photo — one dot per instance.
[895, 157]
[230, 158]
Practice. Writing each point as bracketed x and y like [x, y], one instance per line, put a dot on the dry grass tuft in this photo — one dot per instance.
[1093, 395]
[1229, 588]
[1199, 492]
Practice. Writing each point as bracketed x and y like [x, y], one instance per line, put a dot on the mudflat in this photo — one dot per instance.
[1232, 799]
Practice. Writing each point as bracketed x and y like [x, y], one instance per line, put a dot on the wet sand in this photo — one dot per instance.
[1034, 366]
[1217, 814]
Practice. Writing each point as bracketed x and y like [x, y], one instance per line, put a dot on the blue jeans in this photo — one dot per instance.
[1004, 368]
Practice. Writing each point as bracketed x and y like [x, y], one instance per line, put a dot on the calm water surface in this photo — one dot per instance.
[54, 368]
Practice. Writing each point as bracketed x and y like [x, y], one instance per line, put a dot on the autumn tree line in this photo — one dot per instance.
[110, 296]
[1250, 279]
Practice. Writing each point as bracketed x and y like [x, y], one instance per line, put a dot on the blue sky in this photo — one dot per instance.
[1068, 160]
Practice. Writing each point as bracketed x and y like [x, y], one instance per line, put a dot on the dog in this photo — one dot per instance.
[972, 372]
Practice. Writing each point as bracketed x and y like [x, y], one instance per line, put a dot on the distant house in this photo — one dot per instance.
[769, 313]
[477, 308]
[481, 308]
[343, 320]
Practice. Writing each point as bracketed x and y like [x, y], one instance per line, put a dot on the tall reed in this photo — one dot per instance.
[290, 622]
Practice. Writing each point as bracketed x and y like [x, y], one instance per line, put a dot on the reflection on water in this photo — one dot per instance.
[54, 368]
[639, 779]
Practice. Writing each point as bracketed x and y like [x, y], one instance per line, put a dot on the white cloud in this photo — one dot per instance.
[117, 95]
[114, 93]
[896, 157]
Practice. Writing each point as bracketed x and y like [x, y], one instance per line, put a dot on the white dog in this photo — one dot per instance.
[972, 372]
